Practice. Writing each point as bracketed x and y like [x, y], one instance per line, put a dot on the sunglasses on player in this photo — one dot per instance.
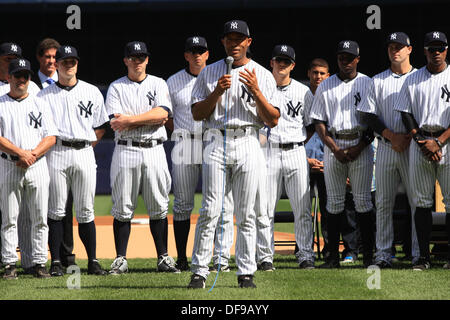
[436, 48]
[197, 50]
[286, 61]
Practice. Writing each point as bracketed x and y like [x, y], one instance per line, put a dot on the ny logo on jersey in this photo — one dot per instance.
[445, 92]
[246, 93]
[22, 63]
[357, 98]
[151, 97]
[14, 48]
[87, 109]
[36, 121]
[67, 50]
[295, 109]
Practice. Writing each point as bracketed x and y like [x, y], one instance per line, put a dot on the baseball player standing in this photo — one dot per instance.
[138, 105]
[234, 105]
[80, 115]
[392, 156]
[347, 153]
[286, 160]
[27, 133]
[424, 106]
[187, 153]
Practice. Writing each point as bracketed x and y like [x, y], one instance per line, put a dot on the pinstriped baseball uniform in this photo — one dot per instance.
[187, 161]
[25, 123]
[77, 111]
[335, 102]
[391, 167]
[426, 97]
[242, 162]
[287, 162]
[134, 168]
[23, 222]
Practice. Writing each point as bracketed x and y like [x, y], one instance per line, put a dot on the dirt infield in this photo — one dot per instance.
[141, 243]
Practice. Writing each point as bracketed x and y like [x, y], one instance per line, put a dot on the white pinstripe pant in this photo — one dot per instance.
[292, 167]
[391, 168]
[28, 188]
[423, 175]
[241, 173]
[360, 173]
[135, 169]
[186, 168]
[73, 169]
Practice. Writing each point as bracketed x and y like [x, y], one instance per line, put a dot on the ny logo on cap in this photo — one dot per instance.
[137, 46]
[67, 50]
[284, 48]
[22, 63]
[195, 40]
[394, 36]
[346, 44]
[234, 25]
[435, 35]
[14, 48]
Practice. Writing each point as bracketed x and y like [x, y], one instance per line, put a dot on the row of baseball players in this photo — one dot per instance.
[244, 97]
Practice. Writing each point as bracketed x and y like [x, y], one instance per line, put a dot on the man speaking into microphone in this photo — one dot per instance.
[234, 100]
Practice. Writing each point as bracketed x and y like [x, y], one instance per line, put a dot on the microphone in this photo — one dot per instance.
[229, 61]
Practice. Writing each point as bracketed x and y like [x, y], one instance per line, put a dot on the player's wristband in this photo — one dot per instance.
[440, 145]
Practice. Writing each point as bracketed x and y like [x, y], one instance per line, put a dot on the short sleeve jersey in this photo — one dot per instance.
[134, 98]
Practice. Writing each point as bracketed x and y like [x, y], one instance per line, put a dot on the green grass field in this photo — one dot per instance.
[287, 282]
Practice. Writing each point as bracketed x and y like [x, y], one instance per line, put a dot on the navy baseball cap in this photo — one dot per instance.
[135, 48]
[435, 36]
[283, 50]
[398, 37]
[65, 52]
[238, 26]
[348, 46]
[18, 65]
[195, 42]
[10, 48]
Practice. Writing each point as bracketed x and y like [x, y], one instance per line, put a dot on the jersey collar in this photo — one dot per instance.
[67, 88]
[18, 100]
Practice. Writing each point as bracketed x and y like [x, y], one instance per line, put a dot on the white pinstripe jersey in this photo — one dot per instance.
[133, 98]
[33, 89]
[26, 122]
[382, 96]
[427, 97]
[291, 124]
[336, 101]
[76, 110]
[180, 87]
[241, 107]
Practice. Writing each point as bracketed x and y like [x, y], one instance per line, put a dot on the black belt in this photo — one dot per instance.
[75, 144]
[347, 136]
[383, 139]
[434, 134]
[9, 156]
[289, 146]
[140, 144]
[13, 157]
[238, 132]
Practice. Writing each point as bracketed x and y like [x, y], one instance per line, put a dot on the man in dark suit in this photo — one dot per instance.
[44, 77]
